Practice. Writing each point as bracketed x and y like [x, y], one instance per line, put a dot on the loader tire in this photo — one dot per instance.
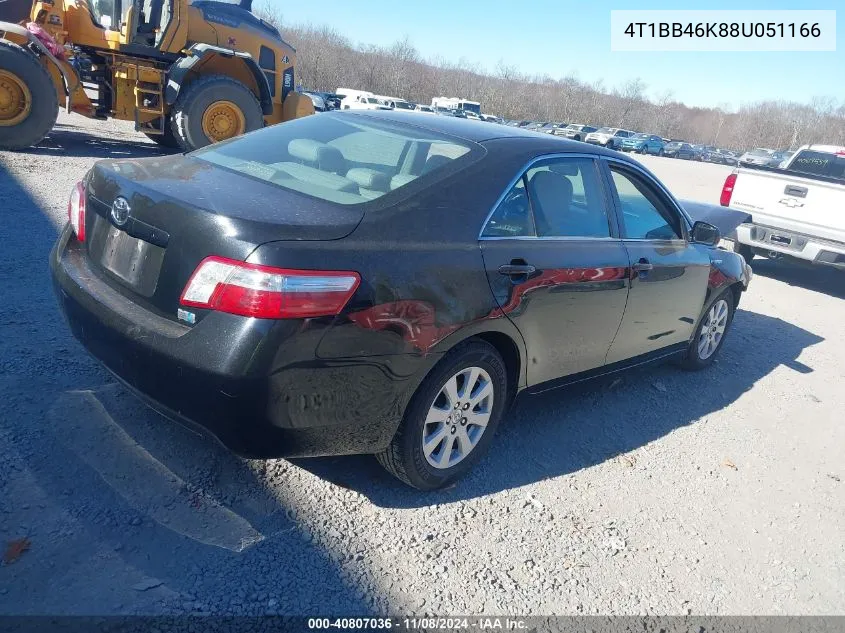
[212, 109]
[28, 102]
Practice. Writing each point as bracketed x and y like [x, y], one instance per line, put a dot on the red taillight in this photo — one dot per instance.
[265, 292]
[727, 190]
[76, 211]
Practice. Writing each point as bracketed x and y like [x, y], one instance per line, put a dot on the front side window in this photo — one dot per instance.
[338, 158]
[646, 215]
[559, 197]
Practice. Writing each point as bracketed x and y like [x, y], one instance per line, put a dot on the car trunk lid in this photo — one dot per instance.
[181, 210]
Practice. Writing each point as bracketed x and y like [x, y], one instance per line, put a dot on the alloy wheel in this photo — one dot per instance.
[713, 329]
[458, 417]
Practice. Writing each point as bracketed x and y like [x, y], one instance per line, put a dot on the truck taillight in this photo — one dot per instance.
[727, 190]
[265, 292]
[76, 211]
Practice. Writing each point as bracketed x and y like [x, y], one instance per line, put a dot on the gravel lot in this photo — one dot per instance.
[660, 492]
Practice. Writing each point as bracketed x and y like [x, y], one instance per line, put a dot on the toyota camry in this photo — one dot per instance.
[383, 282]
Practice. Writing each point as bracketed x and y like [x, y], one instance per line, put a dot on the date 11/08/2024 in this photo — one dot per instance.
[422, 623]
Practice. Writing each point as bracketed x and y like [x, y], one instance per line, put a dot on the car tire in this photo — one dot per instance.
[710, 332]
[193, 124]
[37, 103]
[609, 145]
[576, 138]
[405, 457]
[746, 251]
[660, 152]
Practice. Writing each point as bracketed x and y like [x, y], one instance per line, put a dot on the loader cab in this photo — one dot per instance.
[136, 22]
[153, 19]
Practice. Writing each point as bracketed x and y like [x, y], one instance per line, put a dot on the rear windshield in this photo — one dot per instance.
[759, 152]
[607, 130]
[819, 164]
[341, 158]
[403, 105]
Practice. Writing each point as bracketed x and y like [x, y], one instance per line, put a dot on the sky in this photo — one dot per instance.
[568, 37]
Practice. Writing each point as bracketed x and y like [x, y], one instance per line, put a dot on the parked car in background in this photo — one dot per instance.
[324, 101]
[551, 128]
[397, 104]
[643, 144]
[491, 118]
[610, 137]
[360, 100]
[423, 108]
[679, 149]
[534, 126]
[306, 308]
[719, 157]
[443, 111]
[575, 131]
[758, 157]
[473, 116]
[318, 100]
[796, 213]
[777, 158]
[786, 158]
[699, 151]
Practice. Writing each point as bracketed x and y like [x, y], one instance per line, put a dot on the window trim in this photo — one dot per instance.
[686, 222]
[614, 226]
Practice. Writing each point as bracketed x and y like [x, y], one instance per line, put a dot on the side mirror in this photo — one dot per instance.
[704, 233]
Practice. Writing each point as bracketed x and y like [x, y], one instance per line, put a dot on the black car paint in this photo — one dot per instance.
[337, 385]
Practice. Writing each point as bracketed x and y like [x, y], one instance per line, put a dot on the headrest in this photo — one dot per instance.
[551, 188]
[322, 156]
[369, 178]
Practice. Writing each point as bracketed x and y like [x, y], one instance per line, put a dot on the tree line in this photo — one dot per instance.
[327, 60]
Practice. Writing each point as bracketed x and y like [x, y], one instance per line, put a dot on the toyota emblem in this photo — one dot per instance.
[120, 211]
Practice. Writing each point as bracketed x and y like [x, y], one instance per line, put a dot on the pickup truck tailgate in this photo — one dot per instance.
[787, 201]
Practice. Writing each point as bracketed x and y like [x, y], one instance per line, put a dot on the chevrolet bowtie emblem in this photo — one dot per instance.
[790, 202]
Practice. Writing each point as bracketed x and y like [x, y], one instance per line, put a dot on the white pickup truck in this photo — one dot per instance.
[797, 211]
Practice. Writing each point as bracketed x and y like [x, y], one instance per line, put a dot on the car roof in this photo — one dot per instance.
[478, 132]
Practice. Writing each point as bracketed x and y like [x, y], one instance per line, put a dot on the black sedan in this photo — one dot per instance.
[678, 149]
[383, 282]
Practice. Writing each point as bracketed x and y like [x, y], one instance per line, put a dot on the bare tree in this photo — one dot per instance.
[327, 60]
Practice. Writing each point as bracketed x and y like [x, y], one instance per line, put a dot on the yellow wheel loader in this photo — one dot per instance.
[187, 74]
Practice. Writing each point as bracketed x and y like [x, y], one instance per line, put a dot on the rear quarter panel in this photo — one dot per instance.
[423, 287]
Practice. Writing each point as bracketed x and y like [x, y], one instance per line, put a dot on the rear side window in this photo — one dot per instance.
[819, 164]
[345, 159]
[555, 198]
[512, 218]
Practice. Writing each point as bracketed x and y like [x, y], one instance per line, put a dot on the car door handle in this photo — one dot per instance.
[516, 269]
[642, 266]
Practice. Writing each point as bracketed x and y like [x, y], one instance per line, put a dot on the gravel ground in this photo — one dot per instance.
[660, 492]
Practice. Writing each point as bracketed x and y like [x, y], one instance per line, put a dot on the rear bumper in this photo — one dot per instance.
[255, 384]
[800, 246]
